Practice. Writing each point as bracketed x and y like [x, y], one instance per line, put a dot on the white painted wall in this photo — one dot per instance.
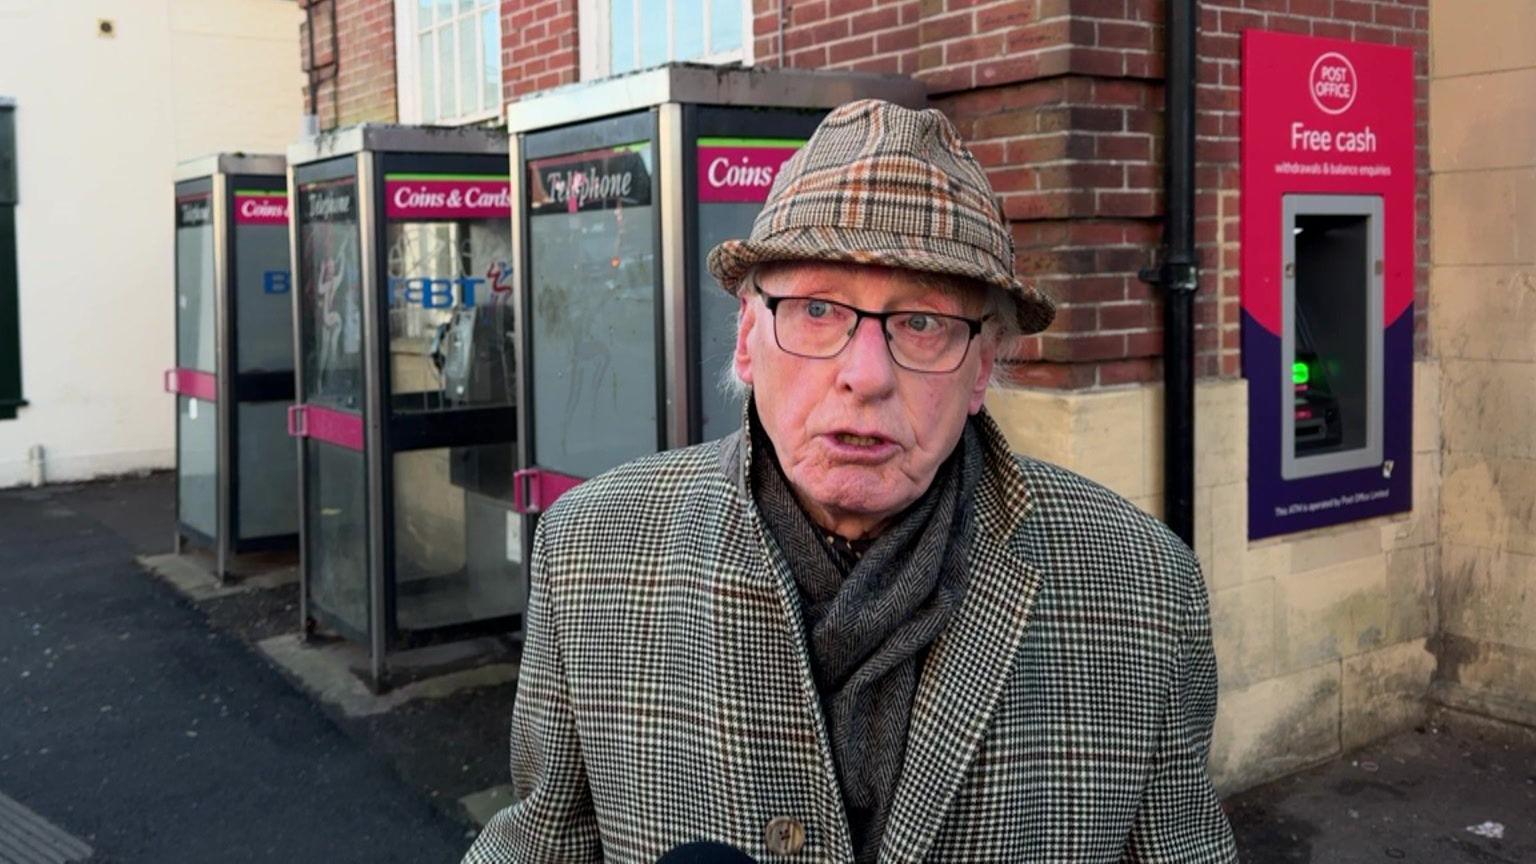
[100, 124]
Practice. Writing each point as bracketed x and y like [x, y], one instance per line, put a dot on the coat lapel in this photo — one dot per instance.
[970, 663]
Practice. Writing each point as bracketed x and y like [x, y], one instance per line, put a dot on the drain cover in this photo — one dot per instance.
[27, 838]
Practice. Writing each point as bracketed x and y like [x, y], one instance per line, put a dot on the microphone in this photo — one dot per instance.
[705, 852]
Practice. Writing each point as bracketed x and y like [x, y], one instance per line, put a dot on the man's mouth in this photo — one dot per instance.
[858, 440]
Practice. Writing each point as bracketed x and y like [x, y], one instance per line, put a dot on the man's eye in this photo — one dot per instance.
[818, 309]
[921, 323]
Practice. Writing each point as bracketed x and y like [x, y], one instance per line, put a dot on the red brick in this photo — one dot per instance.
[932, 30]
[852, 49]
[1135, 371]
[1123, 147]
[1353, 10]
[1004, 15]
[1113, 34]
[882, 18]
[1098, 8]
[807, 11]
[837, 8]
[1127, 204]
[1076, 349]
[1059, 376]
[973, 48]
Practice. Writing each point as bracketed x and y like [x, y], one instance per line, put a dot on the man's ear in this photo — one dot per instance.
[988, 348]
[745, 319]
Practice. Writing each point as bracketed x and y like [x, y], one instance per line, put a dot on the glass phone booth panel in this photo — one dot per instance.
[447, 253]
[594, 297]
[195, 375]
[265, 488]
[329, 302]
[734, 154]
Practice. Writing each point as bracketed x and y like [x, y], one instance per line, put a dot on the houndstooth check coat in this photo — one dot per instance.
[666, 690]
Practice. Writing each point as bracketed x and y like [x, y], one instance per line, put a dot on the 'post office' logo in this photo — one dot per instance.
[1333, 83]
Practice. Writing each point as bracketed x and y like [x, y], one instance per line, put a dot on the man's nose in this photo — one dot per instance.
[867, 367]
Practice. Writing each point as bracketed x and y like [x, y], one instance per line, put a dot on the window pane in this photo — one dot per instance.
[466, 7]
[423, 14]
[621, 28]
[490, 63]
[447, 105]
[724, 26]
[469, 76]
[688, 16]
[444, 11]
[653, 38]
[427, 78]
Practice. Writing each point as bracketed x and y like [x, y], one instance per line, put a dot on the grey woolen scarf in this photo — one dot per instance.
[870, 619]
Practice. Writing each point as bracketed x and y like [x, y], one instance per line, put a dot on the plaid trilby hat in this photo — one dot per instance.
[881, 184]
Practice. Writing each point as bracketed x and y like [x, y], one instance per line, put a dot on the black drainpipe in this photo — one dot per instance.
[1178, 271]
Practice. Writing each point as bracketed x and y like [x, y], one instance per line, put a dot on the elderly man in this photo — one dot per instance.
[860, 629]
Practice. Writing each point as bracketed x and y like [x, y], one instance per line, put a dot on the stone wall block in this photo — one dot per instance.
[1383, 692]
[1332, 612]
[1274, 727]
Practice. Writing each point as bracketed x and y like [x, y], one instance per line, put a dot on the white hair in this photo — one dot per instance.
[1001, 325]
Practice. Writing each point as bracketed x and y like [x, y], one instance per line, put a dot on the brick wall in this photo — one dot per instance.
[355, 82]
[538, 45]
[1061, 101]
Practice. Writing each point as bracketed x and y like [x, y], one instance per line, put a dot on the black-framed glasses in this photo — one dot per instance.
[918, 341]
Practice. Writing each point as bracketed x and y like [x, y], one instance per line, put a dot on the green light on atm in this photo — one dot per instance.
[1301, 373]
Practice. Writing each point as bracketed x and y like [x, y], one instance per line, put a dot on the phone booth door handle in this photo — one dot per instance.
[296, 421]
[168, 381]
[535, 490]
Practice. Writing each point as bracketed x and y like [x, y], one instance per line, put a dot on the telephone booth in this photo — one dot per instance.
[622, 187]
[234, 358]
[405, 408]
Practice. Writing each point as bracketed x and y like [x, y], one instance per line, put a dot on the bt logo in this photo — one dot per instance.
[431, 293]
[275, 282]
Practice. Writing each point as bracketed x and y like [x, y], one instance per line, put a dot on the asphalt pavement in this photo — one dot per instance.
[128, 723]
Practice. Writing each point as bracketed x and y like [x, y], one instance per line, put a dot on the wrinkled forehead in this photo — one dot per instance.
[872, 286]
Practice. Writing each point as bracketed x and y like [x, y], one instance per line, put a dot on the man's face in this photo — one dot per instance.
[859, 437]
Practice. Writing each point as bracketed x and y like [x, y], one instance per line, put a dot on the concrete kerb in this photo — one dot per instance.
[188, 574]
[326, 672]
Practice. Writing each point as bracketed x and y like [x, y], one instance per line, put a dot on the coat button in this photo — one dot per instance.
[784, 836]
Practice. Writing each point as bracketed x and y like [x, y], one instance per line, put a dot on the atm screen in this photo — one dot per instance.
[1333, 331]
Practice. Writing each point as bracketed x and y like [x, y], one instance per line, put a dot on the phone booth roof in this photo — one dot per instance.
[230, 163]
[388, 137]
[708, 85]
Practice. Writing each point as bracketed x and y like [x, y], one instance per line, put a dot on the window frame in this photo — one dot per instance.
[12, 395]
[593, 41]
[408, 72]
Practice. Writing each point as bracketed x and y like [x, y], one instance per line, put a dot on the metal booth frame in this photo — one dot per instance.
[356, 152]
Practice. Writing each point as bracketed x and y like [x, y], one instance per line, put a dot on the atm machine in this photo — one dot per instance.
[233, 377]
[1328, 274]
[622, 187]
[405, 410]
